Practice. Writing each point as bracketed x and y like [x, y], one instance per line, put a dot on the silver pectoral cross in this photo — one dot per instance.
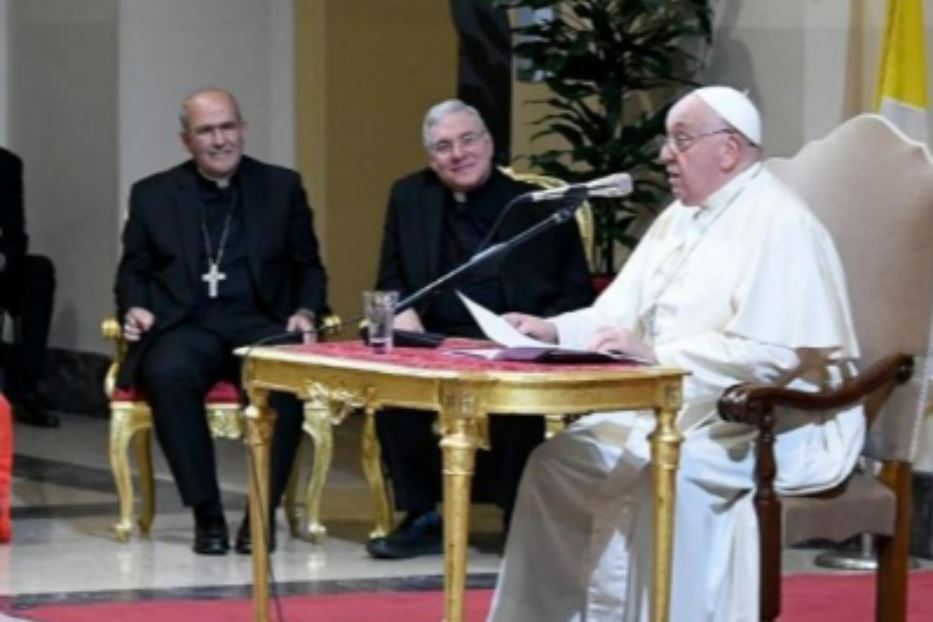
[213, 277]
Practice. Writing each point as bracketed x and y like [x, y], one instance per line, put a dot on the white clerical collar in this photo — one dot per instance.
[223, 183]
[460, 197]
[723, 197]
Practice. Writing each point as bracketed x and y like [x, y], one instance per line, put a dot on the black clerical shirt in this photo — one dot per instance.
[466, 223]
[236, 295]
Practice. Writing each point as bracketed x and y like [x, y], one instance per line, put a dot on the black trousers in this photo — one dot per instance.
[412, 455]
[177, 371]
[27, 292]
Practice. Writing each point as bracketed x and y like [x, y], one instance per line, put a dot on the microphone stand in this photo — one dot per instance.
[569, 204]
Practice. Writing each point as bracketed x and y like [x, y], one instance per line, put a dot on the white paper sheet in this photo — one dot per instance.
[497, 329]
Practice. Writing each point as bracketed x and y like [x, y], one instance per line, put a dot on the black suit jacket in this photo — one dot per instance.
[160, 269]
[13, 238]
[544, 276]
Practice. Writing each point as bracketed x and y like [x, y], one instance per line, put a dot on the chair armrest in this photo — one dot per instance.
[330, 324]
[752, 403]
[111, 330]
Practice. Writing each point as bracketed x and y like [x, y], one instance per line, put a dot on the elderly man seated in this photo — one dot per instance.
[736, 282]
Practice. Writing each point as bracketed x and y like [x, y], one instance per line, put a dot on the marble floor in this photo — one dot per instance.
[64, 506]
[63, 549]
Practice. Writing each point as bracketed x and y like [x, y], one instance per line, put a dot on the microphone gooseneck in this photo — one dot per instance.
[610, 186]
[569, 204]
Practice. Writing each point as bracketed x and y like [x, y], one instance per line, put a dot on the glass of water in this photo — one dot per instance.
[379, 308]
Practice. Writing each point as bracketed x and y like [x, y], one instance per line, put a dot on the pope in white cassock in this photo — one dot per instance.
[735, 282]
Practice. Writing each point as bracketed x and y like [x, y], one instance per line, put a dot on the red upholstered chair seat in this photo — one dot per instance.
[224, 392]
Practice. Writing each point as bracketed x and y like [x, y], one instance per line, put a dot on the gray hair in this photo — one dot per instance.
[183, 109]
[439, 111]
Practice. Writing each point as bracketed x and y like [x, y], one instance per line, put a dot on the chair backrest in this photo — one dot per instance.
[584, 214]
[873, 189]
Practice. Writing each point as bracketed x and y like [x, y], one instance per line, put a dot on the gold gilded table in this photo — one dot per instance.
[463, 391]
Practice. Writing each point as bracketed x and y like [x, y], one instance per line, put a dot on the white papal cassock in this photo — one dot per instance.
[746, 288]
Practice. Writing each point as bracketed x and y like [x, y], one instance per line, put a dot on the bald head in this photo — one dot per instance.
[213, 132]
[211, 95]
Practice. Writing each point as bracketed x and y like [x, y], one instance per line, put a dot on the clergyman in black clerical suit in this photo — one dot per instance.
[437, 218]
[218, 252]
[27, 291]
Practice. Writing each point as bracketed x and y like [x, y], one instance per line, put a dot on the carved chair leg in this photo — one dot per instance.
[318, 425]
[143, 441]
[120, 434]
[768, 509]
[893, 552]
[769, 525]
[372, 468]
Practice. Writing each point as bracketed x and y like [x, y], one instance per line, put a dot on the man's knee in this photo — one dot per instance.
[161, 373]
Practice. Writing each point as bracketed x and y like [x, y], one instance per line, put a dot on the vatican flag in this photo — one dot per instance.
[902, 89]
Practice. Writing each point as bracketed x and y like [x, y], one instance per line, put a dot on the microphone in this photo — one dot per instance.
[615, 185]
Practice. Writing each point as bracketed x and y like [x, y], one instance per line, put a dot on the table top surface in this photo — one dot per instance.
[443, 361]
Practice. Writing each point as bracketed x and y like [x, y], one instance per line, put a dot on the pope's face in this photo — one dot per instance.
[215, 134]
[460, 151]
[694, 150]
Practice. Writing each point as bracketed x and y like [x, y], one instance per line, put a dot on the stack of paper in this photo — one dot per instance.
[519, 347]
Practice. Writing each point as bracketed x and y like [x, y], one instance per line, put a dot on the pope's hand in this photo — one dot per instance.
[533, 326]
[621, 341]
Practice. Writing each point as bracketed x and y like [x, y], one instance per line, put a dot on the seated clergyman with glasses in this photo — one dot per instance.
[735, 282]
[437, 219]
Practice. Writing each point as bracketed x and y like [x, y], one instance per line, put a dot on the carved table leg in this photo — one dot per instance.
[372, 468]
[318, 425]
[459, 417]
[260, 423]
[665, 456]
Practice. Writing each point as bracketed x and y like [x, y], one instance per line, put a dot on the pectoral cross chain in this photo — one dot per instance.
[213, 277]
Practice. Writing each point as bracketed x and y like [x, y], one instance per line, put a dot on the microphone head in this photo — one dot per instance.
[617, 185]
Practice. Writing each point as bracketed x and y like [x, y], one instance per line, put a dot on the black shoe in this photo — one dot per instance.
[244, 539]
[211, 538]
[30, 411]
[419, 534]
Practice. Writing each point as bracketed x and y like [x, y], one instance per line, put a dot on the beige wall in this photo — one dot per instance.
[62, 111]
[809, 63]
[366, 73]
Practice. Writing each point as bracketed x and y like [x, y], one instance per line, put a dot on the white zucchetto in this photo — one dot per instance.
[735, 108]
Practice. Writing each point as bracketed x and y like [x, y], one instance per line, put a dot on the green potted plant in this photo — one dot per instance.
[608, 64]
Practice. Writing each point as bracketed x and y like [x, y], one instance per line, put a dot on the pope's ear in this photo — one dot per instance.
[731, 152]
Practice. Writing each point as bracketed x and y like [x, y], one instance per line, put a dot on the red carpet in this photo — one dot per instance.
[807, 598]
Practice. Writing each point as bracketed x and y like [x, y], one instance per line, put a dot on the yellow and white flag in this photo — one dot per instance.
[902, 88]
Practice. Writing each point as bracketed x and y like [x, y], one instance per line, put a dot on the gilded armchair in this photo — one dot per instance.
[131, 423]
[873, 189]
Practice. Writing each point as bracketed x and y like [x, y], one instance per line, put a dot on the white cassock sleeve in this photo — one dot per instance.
[717, 361]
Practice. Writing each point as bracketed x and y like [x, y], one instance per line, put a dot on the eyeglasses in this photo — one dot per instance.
[681, 141]
[466, 141]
